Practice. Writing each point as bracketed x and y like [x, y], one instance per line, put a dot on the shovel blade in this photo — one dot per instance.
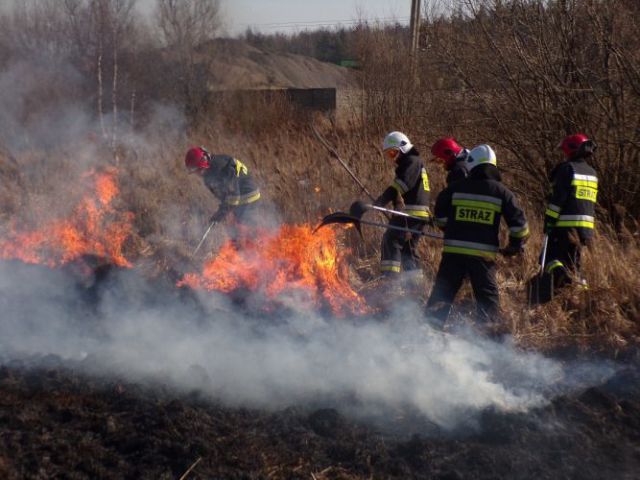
[540, 289]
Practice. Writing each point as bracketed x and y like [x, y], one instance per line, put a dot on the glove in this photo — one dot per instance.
[511, 250]
[549, 223]
[398, 203]
[218, 216]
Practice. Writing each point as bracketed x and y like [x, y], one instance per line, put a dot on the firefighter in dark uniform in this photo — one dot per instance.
[409, 193]
[570, 214]
[453, 158]
[469, 211]
[229, 180]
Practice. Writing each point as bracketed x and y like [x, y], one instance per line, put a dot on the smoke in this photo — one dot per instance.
[365, 367]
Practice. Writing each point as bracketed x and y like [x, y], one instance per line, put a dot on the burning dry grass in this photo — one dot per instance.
[291, 260]
[93, 227]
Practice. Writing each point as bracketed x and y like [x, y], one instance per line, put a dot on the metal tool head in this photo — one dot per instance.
[340, 217]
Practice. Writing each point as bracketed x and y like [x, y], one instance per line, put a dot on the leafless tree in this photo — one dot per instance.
[187, 28]
[527, 72]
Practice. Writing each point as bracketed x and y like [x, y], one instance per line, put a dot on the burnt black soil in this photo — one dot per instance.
[55, 423]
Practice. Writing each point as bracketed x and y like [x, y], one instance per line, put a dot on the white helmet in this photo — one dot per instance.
[480, 155]
[397, 140]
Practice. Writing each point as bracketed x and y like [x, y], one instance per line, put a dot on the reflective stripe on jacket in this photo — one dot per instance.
[470, 212]
[412, 183]
[573, 198]
[229, 180]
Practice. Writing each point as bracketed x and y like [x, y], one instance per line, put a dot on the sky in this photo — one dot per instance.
[294, 15]
[270, 16]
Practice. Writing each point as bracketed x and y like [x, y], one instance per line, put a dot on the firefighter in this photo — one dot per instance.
[570, 214]
[469, 211]
[229, 180]
[409, 193]
[452, 157]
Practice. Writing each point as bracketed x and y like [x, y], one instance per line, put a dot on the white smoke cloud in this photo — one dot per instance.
[139, 331]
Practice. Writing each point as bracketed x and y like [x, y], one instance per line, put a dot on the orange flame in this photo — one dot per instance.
[94, 228]
[291, 259]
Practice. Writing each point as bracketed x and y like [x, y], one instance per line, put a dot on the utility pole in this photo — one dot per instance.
[414, 26]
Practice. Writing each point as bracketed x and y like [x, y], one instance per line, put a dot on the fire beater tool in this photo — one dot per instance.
[362, 207]
[354, 217]
[334, 154]
[204, 237]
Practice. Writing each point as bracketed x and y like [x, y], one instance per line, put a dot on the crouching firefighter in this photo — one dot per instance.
[570, 214]
[229, 181]
[409, 193]
[469, 211]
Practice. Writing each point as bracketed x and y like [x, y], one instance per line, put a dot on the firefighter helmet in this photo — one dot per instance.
[446, 149]
[197, 158]
[397, 140]
[577, 143]
[480, 155]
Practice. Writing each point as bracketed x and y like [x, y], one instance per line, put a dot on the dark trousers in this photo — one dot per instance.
[246, 220]
[563, 255]
[399, 251]
[452, 271]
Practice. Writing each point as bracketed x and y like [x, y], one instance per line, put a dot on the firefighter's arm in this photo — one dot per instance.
[561, 187]
[404, 179]
[221, 213]
[407, 175]
[442, 208]
[389, 195]
[517, 223]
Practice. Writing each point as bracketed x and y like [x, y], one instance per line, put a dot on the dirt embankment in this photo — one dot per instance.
[237, 65]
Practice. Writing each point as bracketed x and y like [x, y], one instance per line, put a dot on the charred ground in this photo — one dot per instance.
[58, 423]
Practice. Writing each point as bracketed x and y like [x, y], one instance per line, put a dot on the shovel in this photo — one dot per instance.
[540, 287]
[204, 237]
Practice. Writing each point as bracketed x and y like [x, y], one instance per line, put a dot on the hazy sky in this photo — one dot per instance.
[292, 15]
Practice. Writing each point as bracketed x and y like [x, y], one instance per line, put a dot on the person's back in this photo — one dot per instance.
[575, 191]
[474, 208]
[570, 214]
[229, 179]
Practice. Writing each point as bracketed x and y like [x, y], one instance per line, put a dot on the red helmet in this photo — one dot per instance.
[446, 149]
[197, 158]
[572, 144]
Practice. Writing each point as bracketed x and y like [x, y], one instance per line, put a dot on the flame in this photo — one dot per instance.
[95, 227]
[291, 259]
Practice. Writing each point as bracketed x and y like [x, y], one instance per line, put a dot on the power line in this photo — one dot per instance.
[325, 23]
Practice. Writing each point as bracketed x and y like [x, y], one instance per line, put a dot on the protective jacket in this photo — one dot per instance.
[458, 169]
[229, 180]
[573, 199]
[412, 183]
[470, 211]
